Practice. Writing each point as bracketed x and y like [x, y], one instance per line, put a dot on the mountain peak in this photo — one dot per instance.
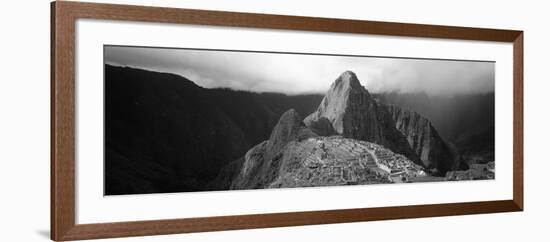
[292, 115]
[346, 80]
[353, 113]
[345, 92]
[290, 127]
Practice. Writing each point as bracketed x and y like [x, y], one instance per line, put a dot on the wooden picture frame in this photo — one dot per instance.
[63, 18]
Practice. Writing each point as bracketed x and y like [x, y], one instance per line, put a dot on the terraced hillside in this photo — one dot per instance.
[330, 161]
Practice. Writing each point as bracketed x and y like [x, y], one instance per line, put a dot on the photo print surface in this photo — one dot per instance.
[189, 120]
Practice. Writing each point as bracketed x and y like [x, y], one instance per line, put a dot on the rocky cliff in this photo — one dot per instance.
[350, 139]
[425, 141]
[353, 113]
[261, 164]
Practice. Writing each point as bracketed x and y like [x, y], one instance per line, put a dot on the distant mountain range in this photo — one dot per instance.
[166, 134]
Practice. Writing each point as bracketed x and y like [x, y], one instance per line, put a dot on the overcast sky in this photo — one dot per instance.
[302, 73]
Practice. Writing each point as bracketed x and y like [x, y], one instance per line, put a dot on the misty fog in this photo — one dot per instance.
[306, 73]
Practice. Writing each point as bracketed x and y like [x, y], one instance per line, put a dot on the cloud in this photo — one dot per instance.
[303, 73]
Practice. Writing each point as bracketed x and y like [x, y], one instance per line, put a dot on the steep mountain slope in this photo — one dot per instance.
[261, 163]
[455, 117]
[424, 139]
[322, 126]
[163, 133]
[152, 120]
[353, 113]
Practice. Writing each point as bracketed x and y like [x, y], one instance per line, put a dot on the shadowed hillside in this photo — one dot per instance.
[465, 120]
[166, 134]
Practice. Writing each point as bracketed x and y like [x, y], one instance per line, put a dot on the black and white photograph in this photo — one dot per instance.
[274, 120]
[191, 120]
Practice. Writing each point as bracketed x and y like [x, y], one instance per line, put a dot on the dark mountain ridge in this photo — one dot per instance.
[453, 116]
[163, 133]
[467, 120]
[423, 138]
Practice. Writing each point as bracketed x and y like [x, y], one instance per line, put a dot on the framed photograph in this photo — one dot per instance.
[172, 120]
